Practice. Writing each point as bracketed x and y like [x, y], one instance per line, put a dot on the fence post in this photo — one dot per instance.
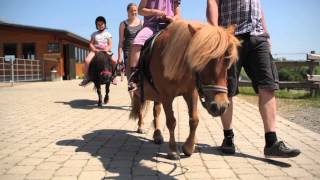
[12, 73]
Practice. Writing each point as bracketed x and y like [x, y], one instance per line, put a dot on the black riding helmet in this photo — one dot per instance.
[100, 18]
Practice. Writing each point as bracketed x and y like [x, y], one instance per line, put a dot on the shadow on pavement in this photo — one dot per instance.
[119, 152]
[204, 148]
[91, 104]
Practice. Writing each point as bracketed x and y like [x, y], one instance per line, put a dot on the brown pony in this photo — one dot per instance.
[188, 59]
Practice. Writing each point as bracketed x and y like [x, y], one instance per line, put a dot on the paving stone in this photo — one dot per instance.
[297, 172]
[40, 174]
[86, 142]
[30, 161]
[65, 178]
[252, 177]
[245, 170]
[21, 170]
[12, 177]
[75, 163]
[92, 175]
[222, 173]
[66, 171]
[48, 166]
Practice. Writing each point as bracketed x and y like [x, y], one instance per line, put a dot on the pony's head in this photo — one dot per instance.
[207, 53]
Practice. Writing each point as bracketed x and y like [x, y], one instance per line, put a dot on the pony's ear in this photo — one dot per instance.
[231, 29]
[193, 29]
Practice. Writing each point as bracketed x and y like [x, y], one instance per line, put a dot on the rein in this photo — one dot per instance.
[203, 88]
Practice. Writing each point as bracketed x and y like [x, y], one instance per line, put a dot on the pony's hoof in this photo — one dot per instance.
[99, 104]
[157, 137]
[141, 131]
[106, 100]
[173, 156]
[185, 151]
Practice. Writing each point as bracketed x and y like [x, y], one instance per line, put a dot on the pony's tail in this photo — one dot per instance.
[138, 107]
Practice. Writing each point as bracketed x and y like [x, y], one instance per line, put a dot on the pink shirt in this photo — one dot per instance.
[164, 5]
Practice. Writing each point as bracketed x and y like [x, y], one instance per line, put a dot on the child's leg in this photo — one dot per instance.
[122, 71]
[134, 60]
[134, 55]
[87, 62]
[113, 62]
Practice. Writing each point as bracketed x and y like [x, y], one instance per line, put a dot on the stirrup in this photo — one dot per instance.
[114, 81]
[132, 86]
[84, 82]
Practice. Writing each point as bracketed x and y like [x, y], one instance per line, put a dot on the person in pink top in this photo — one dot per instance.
[155, 12]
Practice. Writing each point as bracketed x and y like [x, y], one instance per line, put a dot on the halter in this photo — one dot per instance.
[203, 88]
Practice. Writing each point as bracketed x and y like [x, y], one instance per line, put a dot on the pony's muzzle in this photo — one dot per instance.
[217, 109]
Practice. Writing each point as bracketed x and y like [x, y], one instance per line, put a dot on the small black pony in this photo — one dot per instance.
[100, 72]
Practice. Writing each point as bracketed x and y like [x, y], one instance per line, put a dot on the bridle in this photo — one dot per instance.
[205, 88]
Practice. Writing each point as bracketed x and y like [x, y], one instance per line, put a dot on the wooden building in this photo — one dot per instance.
[57, 50]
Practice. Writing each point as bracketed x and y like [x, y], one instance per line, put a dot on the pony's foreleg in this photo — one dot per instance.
[171, 124]
[98, 87]
[106, 97]
[157, 135]
[191, 100]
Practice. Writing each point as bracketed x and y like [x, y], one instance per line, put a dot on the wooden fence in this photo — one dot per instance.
[311, 82]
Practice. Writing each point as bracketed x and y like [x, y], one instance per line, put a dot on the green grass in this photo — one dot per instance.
[293, 96]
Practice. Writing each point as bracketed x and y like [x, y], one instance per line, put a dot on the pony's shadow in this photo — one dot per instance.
[204, 148]
[91, 104]
[119, 152]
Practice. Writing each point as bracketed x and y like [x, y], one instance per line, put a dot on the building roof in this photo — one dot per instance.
[70, 34]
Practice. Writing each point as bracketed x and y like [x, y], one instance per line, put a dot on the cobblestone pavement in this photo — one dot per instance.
[53, 130]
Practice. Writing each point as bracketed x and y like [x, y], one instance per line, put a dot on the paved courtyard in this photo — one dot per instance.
[54, 130]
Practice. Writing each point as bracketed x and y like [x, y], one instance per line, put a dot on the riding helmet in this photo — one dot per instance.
[100, 18]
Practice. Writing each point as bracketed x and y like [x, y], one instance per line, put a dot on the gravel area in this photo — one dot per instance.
[295, 111]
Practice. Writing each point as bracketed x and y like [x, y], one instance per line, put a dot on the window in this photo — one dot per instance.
[79, 54]
[53, 47]
[82, 55]
[28, 50]
[10, 49]
[76, 53]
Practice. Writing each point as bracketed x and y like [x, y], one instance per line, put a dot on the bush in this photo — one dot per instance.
[317, 70]
[292, 74]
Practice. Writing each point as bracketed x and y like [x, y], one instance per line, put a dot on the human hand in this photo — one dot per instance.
[159, 13]
[106, 49]
[170, 19]
[269, 43]
[119, 61]
[95, 50]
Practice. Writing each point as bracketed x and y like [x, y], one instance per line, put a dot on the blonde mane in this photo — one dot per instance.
[185, 52]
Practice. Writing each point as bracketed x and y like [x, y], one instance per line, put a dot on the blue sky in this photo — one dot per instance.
[294, 25]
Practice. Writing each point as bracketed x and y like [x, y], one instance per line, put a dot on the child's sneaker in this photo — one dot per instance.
[84, 82]
[114, 81]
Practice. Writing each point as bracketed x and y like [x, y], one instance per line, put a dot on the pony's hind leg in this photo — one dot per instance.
[106, 97]
[140, 129]
[98, 87]
[192, 100]
[157, 135]
[139, 108]
[171, 124]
